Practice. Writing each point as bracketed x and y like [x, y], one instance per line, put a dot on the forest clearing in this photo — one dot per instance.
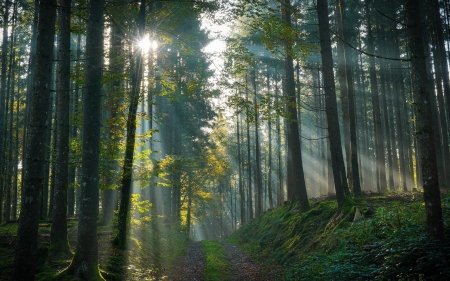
[224, 140]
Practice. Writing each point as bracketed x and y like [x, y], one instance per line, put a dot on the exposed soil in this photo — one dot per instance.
[241, 267]
[192, 265]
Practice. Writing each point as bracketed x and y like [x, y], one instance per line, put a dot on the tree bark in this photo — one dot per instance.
[296, 185]
[379, 147]
[337, 159]
[424, 125]
[58, 234]
[259, 189]
[84, 264]
[33, 180]
[4, 59]
[353, 138]
[127, 174]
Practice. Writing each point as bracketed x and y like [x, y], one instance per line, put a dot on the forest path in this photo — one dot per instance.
[239, 266]
[192, 265]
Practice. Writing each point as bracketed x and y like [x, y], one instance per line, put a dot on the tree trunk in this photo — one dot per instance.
[58, 234]
[280, 197]
[33, 180]
[296, 185]
[354, 171]
[85, 261]
[241, 188]
[424, 125]
[249, 166]
[4, 59]
[337, 159]
[127, 175]
[259, 189]
[74, 135]
[379, 147]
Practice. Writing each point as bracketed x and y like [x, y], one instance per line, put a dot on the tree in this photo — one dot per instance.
[33, 178]
[84, 264]
[347, 72]
[58, 235]
[380, 171]
[127, 175]
[337, 159]
[296, 185]
[424, 125]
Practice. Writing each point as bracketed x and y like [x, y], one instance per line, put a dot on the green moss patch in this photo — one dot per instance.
[217, 265]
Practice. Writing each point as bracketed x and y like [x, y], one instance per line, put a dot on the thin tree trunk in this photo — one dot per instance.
[3, 97]
[259, 189]
[249, 166]
[73, 135]
[379, 147]
[354, 170]
[58, 234]
[241, 188]
[136, 78]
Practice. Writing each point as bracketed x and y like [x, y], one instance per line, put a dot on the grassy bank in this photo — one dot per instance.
[374, 238]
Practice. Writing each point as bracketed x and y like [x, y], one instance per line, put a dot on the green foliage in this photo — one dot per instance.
[217, 265]
[389, 243]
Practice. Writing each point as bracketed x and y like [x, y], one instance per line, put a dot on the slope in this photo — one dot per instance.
[374, 238]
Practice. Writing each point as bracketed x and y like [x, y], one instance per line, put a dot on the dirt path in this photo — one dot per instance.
[191, 267]
[241, 267]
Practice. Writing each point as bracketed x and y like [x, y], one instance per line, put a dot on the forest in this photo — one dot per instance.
[224, 140]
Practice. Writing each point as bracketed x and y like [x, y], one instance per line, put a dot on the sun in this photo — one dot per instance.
[145, 44]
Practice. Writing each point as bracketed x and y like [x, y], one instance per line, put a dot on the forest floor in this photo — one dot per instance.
[219, 261]
[374, 238]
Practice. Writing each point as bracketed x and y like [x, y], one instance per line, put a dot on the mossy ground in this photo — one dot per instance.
[387, 241]
[153, 249]
[217, 265]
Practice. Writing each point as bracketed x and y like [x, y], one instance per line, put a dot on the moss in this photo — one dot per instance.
[60, 247]
[217, 265]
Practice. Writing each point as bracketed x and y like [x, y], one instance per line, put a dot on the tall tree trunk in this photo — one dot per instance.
[240, 163]
[259, 189]
[4, 59]
[58, 234]
[113, 103]
[356, 184]
[27, 233]
[337, 159]
[127, 175]
[269, 164]
[280, 197]
[249, 166]
[296, 185]
[379, 147]
[424, 126]
[84, 264]
[74, 134]
[441, 51]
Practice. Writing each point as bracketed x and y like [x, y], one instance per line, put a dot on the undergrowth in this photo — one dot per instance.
[373, 239]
